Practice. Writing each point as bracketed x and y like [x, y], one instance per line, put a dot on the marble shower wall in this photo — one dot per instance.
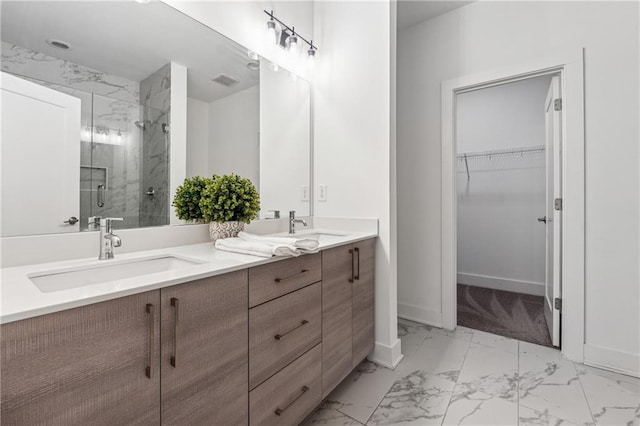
[155, 96]
[108, 102]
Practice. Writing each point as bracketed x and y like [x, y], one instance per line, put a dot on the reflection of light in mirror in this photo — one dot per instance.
[103, 135]
[274, 67]
[253, 55]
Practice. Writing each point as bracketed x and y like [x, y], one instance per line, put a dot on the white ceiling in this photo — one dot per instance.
[411, 12]
[129, 39]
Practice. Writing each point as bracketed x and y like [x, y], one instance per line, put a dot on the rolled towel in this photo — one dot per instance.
[307, 245]
[255, 248]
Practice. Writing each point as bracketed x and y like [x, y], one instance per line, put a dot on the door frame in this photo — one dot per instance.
[570, 66]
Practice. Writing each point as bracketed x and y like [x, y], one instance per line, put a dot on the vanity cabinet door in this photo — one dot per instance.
[337, 277]
[92, 365]
[363, 300]
[204, 362]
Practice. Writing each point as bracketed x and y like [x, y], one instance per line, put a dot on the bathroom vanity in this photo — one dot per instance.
[259, 341]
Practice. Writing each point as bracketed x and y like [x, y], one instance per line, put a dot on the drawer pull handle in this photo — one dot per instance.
[357, 250]
[176, 305]
[280, 336]
[279, 411]
[152, 320]
[352, 272]
[291, 276]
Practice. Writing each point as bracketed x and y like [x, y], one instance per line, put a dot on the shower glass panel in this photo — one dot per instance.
[124, 164]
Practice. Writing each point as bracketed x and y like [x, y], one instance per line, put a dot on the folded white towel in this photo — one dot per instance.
[307, 245]
[256, 248]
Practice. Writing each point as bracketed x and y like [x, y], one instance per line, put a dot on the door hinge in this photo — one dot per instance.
[557, 104]
[557, 204]
[557, 303]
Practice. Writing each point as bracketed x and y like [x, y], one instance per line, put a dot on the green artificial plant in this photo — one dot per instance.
[230, 198]
[188, 196]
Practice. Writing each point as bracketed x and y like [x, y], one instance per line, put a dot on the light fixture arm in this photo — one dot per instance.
[292, 30]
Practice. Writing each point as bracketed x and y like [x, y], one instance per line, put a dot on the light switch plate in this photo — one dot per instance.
[304, 193]
[322, 193]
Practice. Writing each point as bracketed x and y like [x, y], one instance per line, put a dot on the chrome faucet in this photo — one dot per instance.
[293, 221]
[108, 240]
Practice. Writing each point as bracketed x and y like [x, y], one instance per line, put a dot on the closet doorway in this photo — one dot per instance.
[508, 217]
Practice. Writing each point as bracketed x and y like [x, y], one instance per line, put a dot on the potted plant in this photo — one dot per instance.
[187, 199]
[228, 202]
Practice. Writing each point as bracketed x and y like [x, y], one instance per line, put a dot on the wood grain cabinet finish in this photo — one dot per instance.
[281, 330]
[275, 279]
[363, 300]
[204, 361]
[337, 274]
[84, 366]
[289, 396]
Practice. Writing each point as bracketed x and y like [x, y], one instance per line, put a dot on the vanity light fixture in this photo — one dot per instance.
[288, 38]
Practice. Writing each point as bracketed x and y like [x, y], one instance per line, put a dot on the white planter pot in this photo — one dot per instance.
[219, 230]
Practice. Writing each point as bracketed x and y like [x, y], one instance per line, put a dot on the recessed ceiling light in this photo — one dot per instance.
[59, 44]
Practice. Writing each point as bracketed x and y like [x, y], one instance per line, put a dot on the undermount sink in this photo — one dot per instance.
[64, 279]
[317, 235]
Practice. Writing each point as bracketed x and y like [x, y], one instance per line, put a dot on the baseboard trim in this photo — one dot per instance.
[498, 283]
[387, 356]
[611, 359]
[421, 315]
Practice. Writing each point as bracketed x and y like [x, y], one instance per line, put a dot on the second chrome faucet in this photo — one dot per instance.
[293, 221]
[108, 240]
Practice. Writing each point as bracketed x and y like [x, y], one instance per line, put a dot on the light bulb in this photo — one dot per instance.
[119, 138]
[311, 56]
[292, 42]
[272, 31]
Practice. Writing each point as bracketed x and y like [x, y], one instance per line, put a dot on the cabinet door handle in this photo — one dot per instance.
[279, 410]
[280, 336]
[352, 272]
[291, 276]
[357, 277]
[152, 320]
[176, 306]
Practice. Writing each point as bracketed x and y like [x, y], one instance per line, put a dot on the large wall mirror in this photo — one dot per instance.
[102, 102]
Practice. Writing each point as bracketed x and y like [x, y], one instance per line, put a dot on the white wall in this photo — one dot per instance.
[197, 138]
[352, 142]
[234, 123]
[178, 133]
[285, 142]
[490, 35]
[500, 242]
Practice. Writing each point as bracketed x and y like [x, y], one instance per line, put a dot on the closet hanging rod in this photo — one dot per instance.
[500, 152]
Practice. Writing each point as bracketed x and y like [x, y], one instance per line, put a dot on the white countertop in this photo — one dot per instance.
[21, 299]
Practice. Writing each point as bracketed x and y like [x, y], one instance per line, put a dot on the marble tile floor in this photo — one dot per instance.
[470, 377]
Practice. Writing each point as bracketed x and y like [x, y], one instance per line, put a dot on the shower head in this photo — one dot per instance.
[142, 125]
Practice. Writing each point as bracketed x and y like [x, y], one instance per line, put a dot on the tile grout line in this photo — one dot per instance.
[444, 416]
[518, 387]
[583, 392]
[394, 382]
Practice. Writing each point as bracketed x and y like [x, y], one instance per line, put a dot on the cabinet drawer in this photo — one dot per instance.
[272, 280]
[281, 330]
[289, 396]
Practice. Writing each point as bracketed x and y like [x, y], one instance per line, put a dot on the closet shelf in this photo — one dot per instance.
[464, 157]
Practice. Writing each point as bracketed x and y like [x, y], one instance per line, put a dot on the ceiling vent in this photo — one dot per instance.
[225, 80]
